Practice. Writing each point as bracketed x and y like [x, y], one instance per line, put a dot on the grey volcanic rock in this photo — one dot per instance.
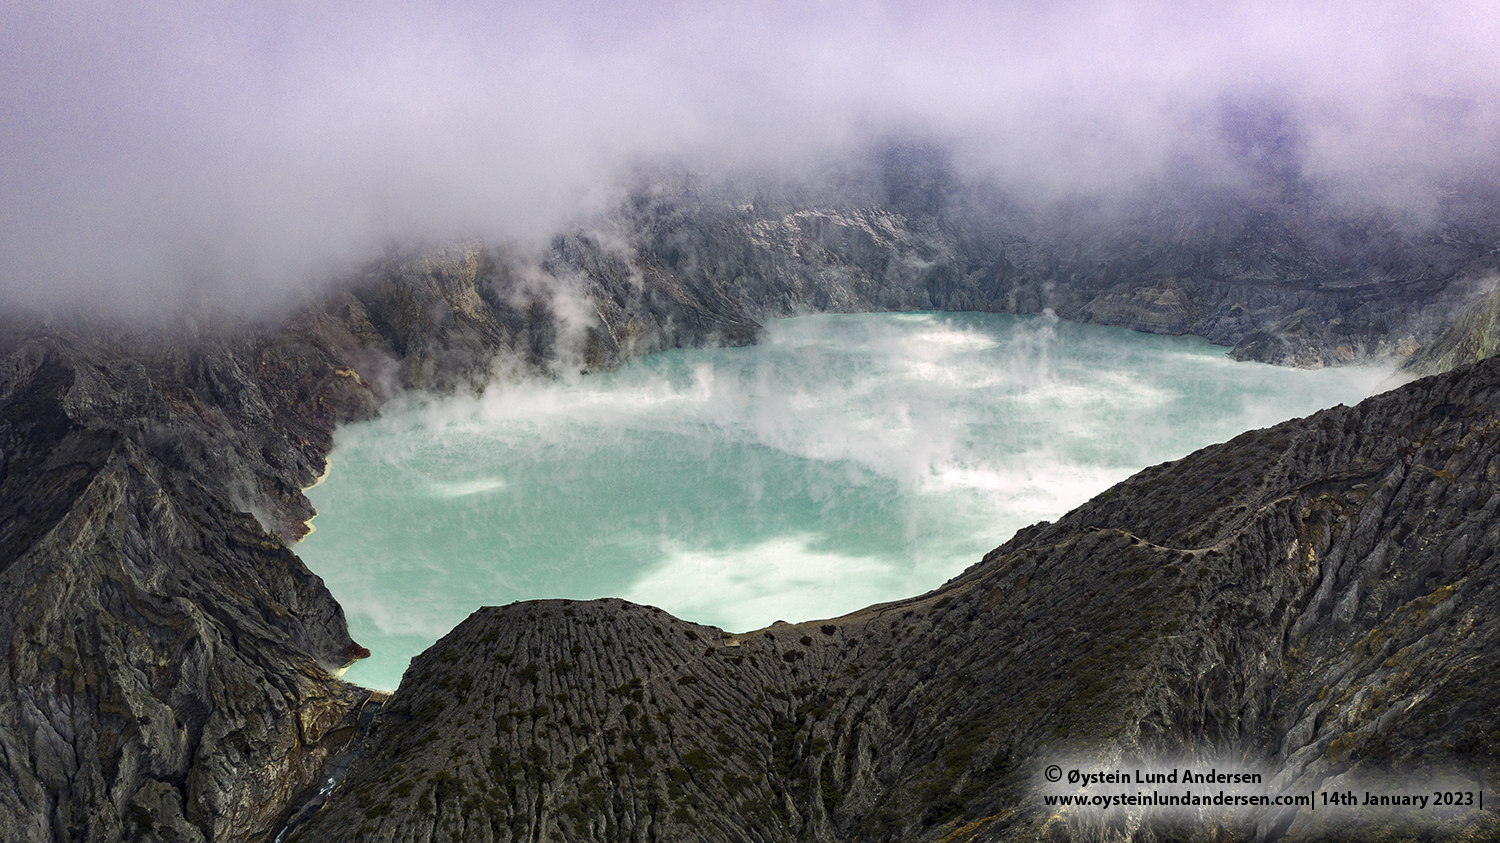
[1315, 599]
[1473, 335]
[1290, 276]
[168, 658]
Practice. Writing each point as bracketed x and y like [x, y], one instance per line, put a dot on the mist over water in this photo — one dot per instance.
[847, 460]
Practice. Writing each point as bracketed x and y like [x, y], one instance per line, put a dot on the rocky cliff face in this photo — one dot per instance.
[168, 657]
[1315, 600]
[1474, 334]
[1289, 276]
[1312, 597]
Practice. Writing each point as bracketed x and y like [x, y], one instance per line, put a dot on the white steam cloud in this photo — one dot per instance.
[846, 460]
[150, 152]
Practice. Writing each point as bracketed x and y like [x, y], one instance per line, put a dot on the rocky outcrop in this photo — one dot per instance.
[1315, 600]
[1474, 335]
[168, 658]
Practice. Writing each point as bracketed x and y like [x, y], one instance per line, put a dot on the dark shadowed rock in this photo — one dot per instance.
[168, 672]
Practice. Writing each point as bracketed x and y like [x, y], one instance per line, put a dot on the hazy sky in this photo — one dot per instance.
[148, 150]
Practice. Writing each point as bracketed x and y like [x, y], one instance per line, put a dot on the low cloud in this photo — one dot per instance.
[155, 153]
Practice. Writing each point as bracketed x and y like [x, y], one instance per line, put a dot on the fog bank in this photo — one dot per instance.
[232, 154]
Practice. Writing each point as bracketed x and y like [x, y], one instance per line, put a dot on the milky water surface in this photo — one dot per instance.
[846, 460]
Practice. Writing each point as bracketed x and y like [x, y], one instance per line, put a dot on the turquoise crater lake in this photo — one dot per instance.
[844, 461]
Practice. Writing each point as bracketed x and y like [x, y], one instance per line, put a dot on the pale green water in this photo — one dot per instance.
[846, 460]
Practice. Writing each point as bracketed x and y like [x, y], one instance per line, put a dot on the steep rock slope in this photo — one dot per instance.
[167, 672]
[1289, 275]
[1315, 600]
[1473, 335]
